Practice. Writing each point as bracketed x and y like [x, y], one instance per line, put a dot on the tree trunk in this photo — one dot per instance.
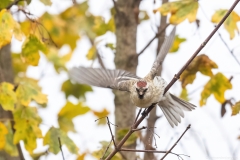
[6, 75]
[125, 58]
[148, 139]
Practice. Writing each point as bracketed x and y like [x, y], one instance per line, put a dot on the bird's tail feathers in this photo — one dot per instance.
[173, 107]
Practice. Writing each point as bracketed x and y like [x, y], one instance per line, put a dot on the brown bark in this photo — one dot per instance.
[6, 75]
[125, 58]
[148, 139]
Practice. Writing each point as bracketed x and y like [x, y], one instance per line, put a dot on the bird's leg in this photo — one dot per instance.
[144, 113]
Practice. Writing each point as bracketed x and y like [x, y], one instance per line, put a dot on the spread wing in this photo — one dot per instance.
[161, 55]
[106, 78]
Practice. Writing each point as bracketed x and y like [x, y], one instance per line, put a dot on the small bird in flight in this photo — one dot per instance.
[143, 91]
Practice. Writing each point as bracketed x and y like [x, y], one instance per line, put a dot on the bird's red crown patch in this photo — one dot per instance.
[141, 84]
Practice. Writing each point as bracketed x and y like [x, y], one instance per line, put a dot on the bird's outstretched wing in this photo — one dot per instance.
[106, 78]
[161, 55]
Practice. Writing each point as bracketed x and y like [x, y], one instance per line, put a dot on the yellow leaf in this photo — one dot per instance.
[231, 22]
[91, 55]
[7, 96]
[46, 2]
[68, 112]
[176, 43]
[180, 10]
[51, 139]
[184, 94]
[101, 116]
[18, 34]
[9, 147]
[57, 60]
[236, 109]
[3, 132]
[202, 64]
[30, 50]
[27, 128]
[18, 65]
[81, 157]
[6, 27]
[217, 86]
[28, 90]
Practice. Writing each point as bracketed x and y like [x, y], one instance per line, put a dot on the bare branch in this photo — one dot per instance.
[111, 133]
[60, 146]
[231, 51]
[138, 115]
[150, 42]
[176, 142]
[106, 149]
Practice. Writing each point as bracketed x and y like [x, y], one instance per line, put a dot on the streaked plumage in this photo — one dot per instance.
[143, 91]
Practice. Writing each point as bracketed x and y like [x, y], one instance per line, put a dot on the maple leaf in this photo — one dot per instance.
[122, 132]
[18, 65]
[200, 64]
[231, 22]
[184, 94]
[46, 2]
[217, 86]
[30, 50]
[28, 90]
[57, 60]
[77, 90]
[180, 10]
[27, 127]
[9, 147]
[91, 55]
[68, 112]
[8, 27]
[3, 132]
[7, 96]
[176, 43]
[104, 113]
[51, 139]
[236, 108]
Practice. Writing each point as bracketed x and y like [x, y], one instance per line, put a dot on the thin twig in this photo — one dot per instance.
[111, 133]
[231, 51]
[138, 129]
[14, 3]
[129, 133]
[106, 149]
[158, 34]
[60, 146]
[176, 142]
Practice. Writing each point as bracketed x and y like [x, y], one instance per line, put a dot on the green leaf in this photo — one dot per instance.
[101, 116]
[3, 132]
[5, 3]
[68, 112]
[217, 86]
[176, 43]
[30, 50]
[143, 15]
[201, 64]
[122, 132]
[9, 147]
[180, 10]
[57, 60]
[28, 90]
[18, 65]
[51, 139]
[77, 90]
[46, 2]
[236, 109]
[27, 128]
[231, 22]
[7, 96]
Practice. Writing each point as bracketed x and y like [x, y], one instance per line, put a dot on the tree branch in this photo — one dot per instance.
[60, 146]
[158, 34]
[188, 127]
[111, 133]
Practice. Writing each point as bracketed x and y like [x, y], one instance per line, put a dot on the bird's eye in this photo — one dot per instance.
[137, 89]
[145, 90]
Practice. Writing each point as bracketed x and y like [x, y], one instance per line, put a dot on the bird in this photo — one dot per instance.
[143, 91]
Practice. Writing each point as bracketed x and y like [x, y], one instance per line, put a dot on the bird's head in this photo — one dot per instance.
[141, 88]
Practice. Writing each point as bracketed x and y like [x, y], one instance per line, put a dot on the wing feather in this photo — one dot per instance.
[106, 78]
